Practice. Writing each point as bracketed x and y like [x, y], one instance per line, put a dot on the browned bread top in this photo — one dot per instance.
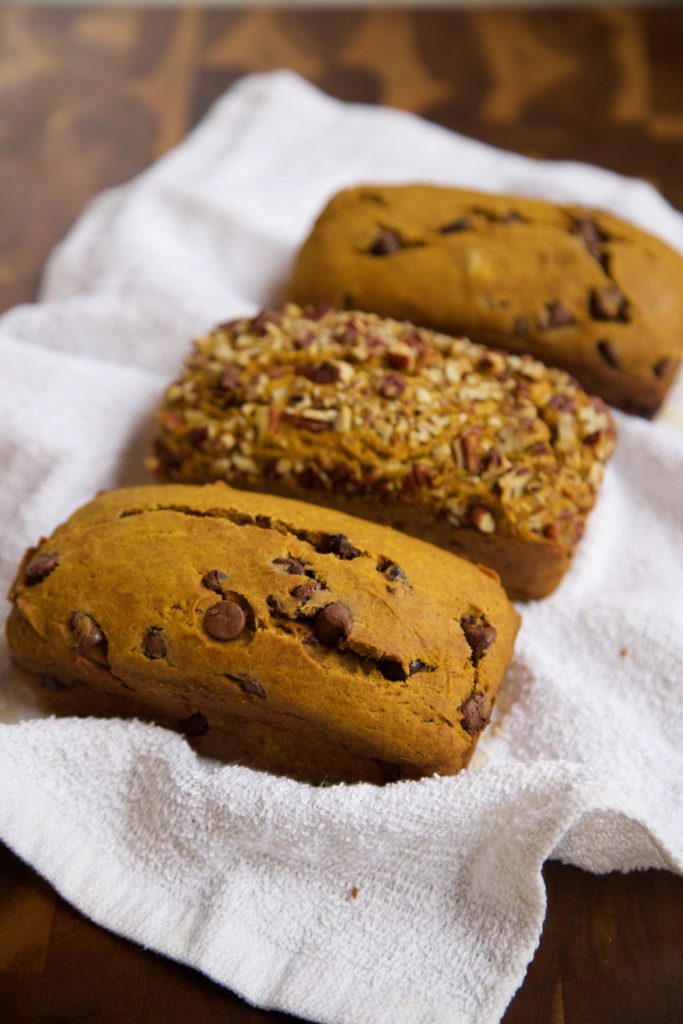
[577, 288]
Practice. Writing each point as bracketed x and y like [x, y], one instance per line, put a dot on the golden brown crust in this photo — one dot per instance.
[490, 454]
[286, 636]
[575, 287]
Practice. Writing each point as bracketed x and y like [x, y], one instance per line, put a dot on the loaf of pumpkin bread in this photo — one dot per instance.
[577, 288]
[290, 638]
[491, 455]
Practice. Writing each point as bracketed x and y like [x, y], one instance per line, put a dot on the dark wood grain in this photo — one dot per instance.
[88, 99]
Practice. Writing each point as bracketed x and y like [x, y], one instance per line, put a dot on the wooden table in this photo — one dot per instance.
[88, 99]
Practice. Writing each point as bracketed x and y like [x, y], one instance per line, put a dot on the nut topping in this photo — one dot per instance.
[410, 417]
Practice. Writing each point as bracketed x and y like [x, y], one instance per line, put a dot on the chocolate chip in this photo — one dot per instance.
[275, 604]
[386, 243]
[418, 666]
[391, 669]
[474, 714]
[338, 544]
[608, 353]
[213, 580]
[392, 385]
[324, 373]
[249, 685]
[592, 439]
[471, 448]
[456, 226]
[194, 725]
[52, 683]
[520, 327]
[197, 436]
[293, 566]
[230, 378]
[225, 620]
[303, 340]
[608, 303]
[153, 643]
[305, 591]
[333, 623]
[418, 476]
[662, 367]
[479, 636]
[38, 568]
[88, 633]
[555, 314]
[302, 423]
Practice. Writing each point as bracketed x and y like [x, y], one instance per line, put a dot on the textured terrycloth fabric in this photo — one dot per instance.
[421, 902]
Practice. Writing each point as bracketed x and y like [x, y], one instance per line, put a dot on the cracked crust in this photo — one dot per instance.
[494, 456]
[118, 626]
[577, 288]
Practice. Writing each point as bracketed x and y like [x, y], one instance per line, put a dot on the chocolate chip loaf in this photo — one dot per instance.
[285, 636]
[490, 455]
[576, 288]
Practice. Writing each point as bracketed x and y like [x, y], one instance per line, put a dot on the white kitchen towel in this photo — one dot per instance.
[418, 903]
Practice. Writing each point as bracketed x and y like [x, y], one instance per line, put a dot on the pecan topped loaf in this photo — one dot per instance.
[577, 288]
[288, 637]
[492, 455]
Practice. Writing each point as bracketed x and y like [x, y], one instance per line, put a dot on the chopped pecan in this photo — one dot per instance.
[482, 519]
[418, 476]
[392, 385]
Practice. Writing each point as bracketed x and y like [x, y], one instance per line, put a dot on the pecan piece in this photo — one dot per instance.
[392, 385]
